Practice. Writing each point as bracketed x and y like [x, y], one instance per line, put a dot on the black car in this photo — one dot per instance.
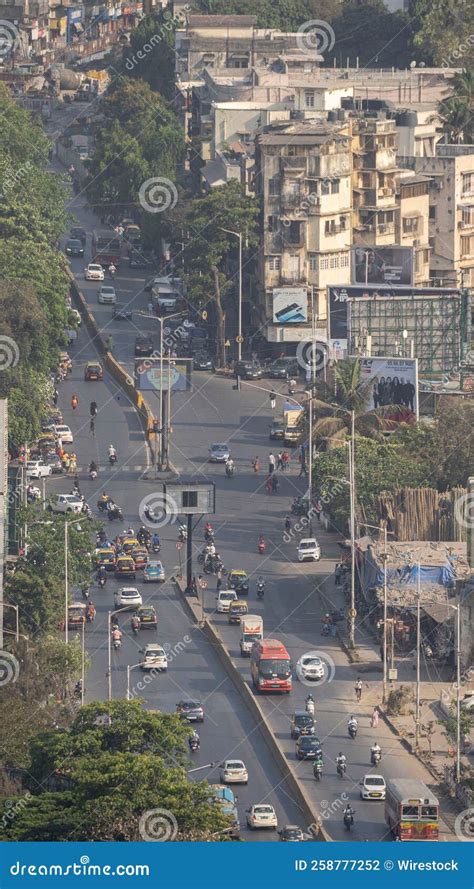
[121, 313]
[144, 346]
[301, 724]
[193, 711]
[308, 747]
[202, 361]
[283, 368]
[74, 247]
[138, 260]
[248, 370]
[79, 234]
[277, 430]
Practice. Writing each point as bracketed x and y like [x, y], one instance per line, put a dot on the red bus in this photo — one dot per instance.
[270, 666]
[106, 247]
[411, 810]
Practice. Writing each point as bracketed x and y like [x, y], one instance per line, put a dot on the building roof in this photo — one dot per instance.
[222, 21]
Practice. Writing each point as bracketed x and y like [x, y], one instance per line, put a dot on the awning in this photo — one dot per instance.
[438, 612]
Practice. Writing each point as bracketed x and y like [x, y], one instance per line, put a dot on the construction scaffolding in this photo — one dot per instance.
[434, 327]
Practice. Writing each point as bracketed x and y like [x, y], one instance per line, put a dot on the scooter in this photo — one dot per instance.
[375, 757]
[135, 626]
[318, 769]
[93, 475]
[260, 590]
[117, 644]
[112, 459]
[341, 769]
[229, 471]
[325, 630]
[102, 580]
[310, 707]
[155, 547]
[90, 615]
[194, 744]
[352, 729]
[85, 591]
[348, 819]
[261, 545]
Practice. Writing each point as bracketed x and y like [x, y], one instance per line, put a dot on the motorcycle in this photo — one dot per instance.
[229, 471]
[155, 547]
[90, 615]
[375, 757]
[93, 475]
[194, 744]
[318, 769]
[115, 513]
[102, 505]
[87, 511]
[117, 643]
[348, 819]
[135, 625]
[261, 545]
[300, 506]
[183, 533]
[341, 769]
[352, 729]
[112, 459]
[260, 590]
[102, 580]
[85, 591]
[325, 630]
[208, 534]
[213, 565]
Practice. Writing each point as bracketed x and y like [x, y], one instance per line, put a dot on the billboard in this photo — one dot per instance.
[382, 265]
[338, 298]
[290, 305]
[391, 381]
[152, 376]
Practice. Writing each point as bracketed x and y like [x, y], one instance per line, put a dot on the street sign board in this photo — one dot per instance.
[179, 545]
[152, 375]
[191, 498]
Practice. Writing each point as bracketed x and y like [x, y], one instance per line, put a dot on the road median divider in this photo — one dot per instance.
[300, 797]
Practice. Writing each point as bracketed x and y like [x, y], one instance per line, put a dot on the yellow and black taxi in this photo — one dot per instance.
[76, 615]
[238, 580]
[93, 371]
[236, 610]
[139, 555]
[106, 558]
[147, 616]
[128, 543]
[124, 566]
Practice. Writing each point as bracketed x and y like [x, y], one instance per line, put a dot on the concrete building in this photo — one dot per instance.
[374, 146]
[30, 21]
[303, 176]
[412, 223]
[419, 130]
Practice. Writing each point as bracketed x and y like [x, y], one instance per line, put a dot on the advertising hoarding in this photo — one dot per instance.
[382, 265]
[290, 305]
[391, 381]
[174, 374]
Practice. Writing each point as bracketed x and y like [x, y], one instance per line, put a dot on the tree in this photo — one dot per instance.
[456, 111]
[369, 32]
[209, 275]
[117, 764]
[379, 466]
[445, 449]
[150, 54]
[443, 32]
[116, 171]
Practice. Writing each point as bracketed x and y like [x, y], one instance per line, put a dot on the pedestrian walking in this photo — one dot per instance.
[55, 397]
[337, 574]
[194, 588]
[271, 463]
[375, 717]
[274, 483]
[256, 464]
[288, 523]
[280, 461]
[219, 581]
[286, 460]
[268, 485]
[358, 689]
[92, 426]
[303, 469]
[74, 401]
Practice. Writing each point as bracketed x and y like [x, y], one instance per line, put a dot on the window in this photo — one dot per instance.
[334, 261]
[313, 262]
[342, 223]
[345, 260]
[274, 186]
[467, 216]
[467, 246]
[335, 186]
[238, 62]
[410, 225]
[309, 98]
[467, 184]
[294, 232]
[432, 211]
[272, 223]
[410, 812]
[190, 499]
[324, 262]
[274, 263]
[325, 186]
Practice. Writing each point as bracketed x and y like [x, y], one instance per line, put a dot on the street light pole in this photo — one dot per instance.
[458, 691]
[83, 665]
[418, 626]
[66, 581]
[131, 667]
[239, 340]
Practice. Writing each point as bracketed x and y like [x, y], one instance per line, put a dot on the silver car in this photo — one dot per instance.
[219, 453]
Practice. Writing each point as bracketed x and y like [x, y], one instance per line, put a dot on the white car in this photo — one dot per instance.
[308, 548]
[261, 815]
[224, 599]
[309, 667]
[66, 503]
[373, 787]
[64, 433]
[77, 316]
[127, 597]
[37, 469]
[234, 771]
[154, 658]
[94, 272]
[107, 295]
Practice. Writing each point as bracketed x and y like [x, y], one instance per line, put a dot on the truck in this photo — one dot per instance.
[292, 414]
[251, 626]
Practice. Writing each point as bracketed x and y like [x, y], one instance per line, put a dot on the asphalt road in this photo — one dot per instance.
[292, 610]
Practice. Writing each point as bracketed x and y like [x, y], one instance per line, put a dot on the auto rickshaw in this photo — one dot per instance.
[76, 615]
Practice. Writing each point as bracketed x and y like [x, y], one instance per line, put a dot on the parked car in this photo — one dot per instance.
[283, 368]
[248, 370]
[202, 361]
[94, 272]
[74, 247]
[107, 295]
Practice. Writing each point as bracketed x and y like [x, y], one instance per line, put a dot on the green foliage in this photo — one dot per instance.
[444, 31]
[456, 110]
[380, 466]
[446, 448]
[450, 725]
[150, 53]
[276, 14]
[117, 762]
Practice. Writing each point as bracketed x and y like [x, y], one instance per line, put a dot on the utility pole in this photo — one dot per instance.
[418, 625]
[66, 581]
[458, 691]
[352, 504]
[385, 560]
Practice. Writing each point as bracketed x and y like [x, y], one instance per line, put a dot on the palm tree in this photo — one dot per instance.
[456, 111]
[352, 393]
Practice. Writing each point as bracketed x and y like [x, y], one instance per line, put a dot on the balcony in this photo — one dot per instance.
[288, 277]
[291, 199]
[336, 230]
[297, 162]
[385, 228]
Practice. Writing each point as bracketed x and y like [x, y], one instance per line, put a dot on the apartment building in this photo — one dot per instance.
[303, 174]
[412, 223]
[374, 147]
[30, 19]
